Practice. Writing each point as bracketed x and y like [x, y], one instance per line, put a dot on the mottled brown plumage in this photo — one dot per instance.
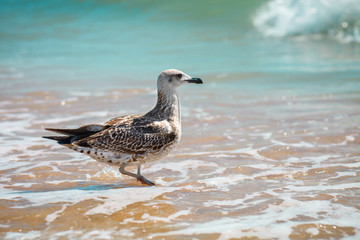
[134, 139]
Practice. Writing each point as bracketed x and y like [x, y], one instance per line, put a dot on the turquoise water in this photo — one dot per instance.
[54, 43]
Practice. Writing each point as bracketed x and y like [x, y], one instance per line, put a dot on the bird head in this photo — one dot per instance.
[172, 78]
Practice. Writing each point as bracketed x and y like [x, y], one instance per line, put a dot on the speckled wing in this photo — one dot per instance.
[122, 120]
[129, 138]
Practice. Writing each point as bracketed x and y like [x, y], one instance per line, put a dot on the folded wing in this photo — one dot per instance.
[129, 139]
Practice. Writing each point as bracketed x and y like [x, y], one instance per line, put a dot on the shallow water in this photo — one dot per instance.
[270, 146]
[258, 163]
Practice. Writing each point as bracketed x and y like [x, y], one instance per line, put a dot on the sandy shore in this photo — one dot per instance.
[265, 161]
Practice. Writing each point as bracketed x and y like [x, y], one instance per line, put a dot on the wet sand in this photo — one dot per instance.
[276, 161]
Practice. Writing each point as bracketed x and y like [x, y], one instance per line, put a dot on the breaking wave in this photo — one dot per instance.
[284, 18]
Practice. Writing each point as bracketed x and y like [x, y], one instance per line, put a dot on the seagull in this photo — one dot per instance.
[134, 139]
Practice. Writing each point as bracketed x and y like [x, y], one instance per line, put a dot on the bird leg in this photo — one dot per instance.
[142, 179]
[138, 176]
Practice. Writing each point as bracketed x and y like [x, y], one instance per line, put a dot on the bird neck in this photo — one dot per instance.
[167, 106]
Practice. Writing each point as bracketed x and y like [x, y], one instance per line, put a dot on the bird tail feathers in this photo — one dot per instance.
[60, 139]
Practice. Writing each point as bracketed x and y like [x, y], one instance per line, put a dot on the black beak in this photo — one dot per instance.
[195, 80]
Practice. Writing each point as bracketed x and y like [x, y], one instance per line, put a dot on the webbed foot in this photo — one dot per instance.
[145, 181]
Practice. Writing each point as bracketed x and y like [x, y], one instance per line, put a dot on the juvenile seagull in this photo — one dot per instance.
[134, 139]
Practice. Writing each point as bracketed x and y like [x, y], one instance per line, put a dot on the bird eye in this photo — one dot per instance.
[179, 75]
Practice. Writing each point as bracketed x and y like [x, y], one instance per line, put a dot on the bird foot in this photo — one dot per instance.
[145, 181]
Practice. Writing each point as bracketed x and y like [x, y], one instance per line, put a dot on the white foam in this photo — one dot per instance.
[97, 234]
[300, 144]
[51, 217]
[10, 128]
[232, 228]
[338, 19]
[113, 199]
[126, 232]
[168, 219]
[346, 174]
[274, 222]
[312, 231]
[118, 199]
[350, 138]
[23, 236]
[224, 183]
[69, 234]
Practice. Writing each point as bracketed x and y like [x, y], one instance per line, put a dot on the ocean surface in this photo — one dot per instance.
[271, 140]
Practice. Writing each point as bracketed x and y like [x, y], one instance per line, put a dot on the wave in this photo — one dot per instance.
[285, 18]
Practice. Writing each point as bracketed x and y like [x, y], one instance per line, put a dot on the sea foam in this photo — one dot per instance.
[337, 19]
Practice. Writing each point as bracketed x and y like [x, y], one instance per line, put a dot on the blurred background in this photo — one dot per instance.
[100, 44]
[271, 140]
